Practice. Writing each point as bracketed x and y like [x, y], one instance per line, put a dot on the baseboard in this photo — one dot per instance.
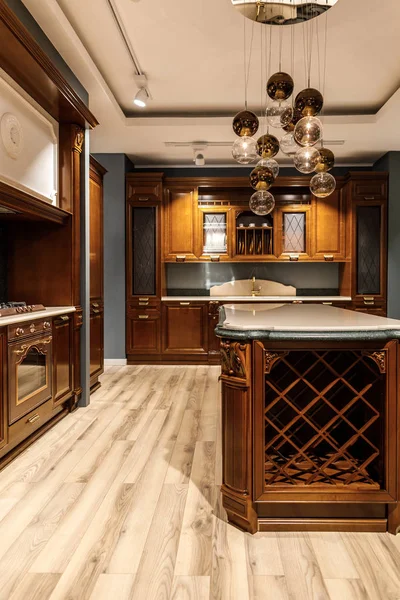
[115, 362]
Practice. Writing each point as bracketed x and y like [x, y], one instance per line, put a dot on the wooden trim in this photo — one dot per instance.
[360, 525]
[29, 206]
[24, 60]
[96, 167]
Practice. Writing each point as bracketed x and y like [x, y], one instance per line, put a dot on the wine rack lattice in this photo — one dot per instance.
[324, 420]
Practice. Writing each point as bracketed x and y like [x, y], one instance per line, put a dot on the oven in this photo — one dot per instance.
[30, 356]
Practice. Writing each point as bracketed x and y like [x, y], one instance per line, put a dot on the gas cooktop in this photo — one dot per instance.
[8, 309]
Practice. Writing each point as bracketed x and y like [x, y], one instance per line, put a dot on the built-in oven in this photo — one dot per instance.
[30, 368]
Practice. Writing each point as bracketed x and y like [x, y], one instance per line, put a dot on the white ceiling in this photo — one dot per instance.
[192, 54]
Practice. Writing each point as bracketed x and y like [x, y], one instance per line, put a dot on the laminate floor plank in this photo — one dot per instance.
[346, 589]
[191, 588]
[121, 500]
[155, 574]
[36, 586]
[19, 557]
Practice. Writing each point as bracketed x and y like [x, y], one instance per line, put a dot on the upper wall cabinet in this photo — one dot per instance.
[328, 225]
[143, 188]
[180, 222]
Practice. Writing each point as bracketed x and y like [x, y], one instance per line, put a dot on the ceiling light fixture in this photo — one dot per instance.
[141, 98]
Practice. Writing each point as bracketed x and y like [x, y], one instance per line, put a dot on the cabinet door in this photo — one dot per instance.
[185, 328]
[180, 223]
[96, 341]
[214, 353]
[213, 242]
[329, 227]
[293, 232]
[3, 392]
[62, 359]
[143, 332]
[142, 251]
[96, 236]
[370, 252]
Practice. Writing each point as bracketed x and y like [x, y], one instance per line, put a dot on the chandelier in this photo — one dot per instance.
[294, 117]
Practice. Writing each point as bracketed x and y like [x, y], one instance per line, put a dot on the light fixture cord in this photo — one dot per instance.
[323, 112]
[280, 47]
[244, 61]
[249, 61]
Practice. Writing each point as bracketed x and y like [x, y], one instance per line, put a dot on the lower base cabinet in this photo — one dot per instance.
[185, 328]
[62, 356]
[96, 344]
[3, 392]
[143, 333]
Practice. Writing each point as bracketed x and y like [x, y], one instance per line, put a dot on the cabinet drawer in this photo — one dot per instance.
[30, 422]
[29, 328]
[145, 192]
[143, 332]
[144, 302]
[369, 190]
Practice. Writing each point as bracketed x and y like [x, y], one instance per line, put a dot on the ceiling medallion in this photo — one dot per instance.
[282, 12]
[12, 135]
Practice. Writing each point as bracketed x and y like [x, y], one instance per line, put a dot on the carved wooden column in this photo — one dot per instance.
[237, 434]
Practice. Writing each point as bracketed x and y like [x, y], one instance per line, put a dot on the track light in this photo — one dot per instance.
[141, 98]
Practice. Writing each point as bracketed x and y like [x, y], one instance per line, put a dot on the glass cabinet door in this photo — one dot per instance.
[144, 250]
[368, 250]
[214, 233]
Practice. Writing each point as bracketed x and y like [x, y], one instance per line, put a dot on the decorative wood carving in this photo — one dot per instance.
[233, 356]
[271, 358]
[40, 347]
[379, 358]
[78, 139]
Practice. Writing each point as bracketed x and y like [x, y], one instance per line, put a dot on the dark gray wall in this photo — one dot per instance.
[114, 253]
[26, 18]
[391, 162]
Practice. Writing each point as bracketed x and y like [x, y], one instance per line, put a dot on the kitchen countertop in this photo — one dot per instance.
[257, 298]
[302, 321]
[50, 311]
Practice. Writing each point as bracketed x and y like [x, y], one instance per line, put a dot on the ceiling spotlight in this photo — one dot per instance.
[141, 98]
[199, 158]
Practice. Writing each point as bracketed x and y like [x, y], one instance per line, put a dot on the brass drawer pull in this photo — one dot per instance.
[96, 311]
[64, 318]
[294, 257]
[143, 316]
[297, 302]
[327, 303]
[33, 419]
[369, 300]
[369, 197]
[214, 257]
[143, 199]
[95, 305]
[143, 303]
[184, 303]
[19, 331]
[328, 257]
[143, 299]
[180, 257]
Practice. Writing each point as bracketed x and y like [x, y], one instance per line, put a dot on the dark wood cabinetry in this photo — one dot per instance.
[62, 358]
[328, 223]
[180, 212]
[185, 328]
[3, 390]
[97, 173]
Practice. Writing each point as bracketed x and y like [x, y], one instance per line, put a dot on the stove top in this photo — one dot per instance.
[7, 309]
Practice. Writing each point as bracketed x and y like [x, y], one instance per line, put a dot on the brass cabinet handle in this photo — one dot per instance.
[214, 257]
[95, 305]
[328, 257]
[143, 199]
[143, 299]
[327, 303]
[64, 318]
[180, 257]
[143, 303]
[143, 316]
[33, 418]
[369, 197]
[184, 303]
[294, 257]
[369, 300]
[19, 331]
[96, 311]
[297, 302]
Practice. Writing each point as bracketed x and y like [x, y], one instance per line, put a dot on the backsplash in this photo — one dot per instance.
[3, 264]
[303, 276]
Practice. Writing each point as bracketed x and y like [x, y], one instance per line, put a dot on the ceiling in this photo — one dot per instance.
[192, 55]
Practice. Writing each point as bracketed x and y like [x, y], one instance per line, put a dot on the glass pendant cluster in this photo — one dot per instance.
[294, 119]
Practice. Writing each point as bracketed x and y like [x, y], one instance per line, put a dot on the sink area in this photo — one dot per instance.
[252, 287]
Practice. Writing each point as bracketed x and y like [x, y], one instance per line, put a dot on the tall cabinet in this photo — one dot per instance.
[97, 173]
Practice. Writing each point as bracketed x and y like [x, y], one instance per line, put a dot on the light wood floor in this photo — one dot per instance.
[120, 501]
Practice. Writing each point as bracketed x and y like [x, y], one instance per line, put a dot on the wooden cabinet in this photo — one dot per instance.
[328, 227]
[96, 343]
[3, 389]
[185, 328]
[97, 173]
[180, 212]
[62, 358]
[293, 236]
[143, 333]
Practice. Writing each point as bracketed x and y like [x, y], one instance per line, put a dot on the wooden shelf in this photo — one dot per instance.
[26, 206]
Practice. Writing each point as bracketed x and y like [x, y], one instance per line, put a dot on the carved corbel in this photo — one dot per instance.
[233, 357]
[379, 358]
[271, 358]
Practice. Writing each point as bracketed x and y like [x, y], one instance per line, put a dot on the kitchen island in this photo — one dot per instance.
[310, 418]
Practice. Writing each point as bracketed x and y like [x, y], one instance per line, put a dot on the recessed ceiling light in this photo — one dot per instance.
[141, 98]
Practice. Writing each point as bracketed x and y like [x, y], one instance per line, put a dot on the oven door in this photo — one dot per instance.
[30, 381]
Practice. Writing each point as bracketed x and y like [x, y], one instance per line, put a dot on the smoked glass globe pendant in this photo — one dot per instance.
[261, 177]
[244, 150]
[326, 161]
[267, 146]
[262, 203]
[309, 102]
[280, 86]
[245, 123]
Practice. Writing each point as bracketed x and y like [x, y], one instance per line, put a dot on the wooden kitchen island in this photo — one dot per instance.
[310, 418]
